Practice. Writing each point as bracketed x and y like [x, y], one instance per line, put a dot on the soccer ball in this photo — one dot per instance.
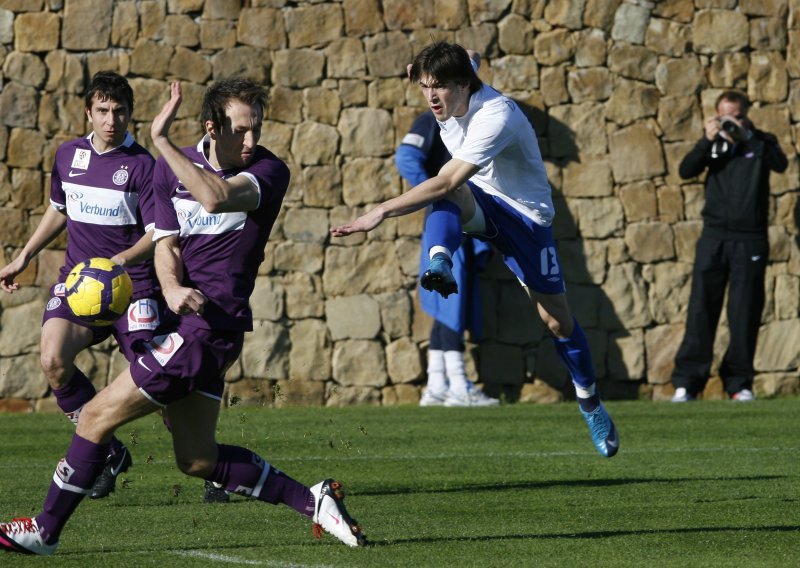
[98, 291]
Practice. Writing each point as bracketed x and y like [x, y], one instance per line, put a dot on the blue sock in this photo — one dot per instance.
[574, 351]
[443, 225]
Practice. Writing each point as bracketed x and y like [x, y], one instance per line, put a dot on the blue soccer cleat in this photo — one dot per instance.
[603, 432]
[439, 276]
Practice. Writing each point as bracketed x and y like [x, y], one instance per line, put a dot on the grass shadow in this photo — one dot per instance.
[592, 534]
[472, 487]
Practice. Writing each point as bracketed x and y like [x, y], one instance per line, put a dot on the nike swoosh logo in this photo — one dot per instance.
[612, 442]
[335, 518]
[75, 174]
[139, 360]
[121, 461]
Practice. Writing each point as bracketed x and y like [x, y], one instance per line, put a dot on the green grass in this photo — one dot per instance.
[700, 484]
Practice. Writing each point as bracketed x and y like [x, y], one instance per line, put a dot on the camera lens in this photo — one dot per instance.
[729, 126]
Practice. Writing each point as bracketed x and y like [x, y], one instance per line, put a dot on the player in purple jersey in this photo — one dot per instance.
[508, 203]
[215, 206]
[100, 192]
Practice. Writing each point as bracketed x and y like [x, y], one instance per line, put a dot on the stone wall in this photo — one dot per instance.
[617, 91]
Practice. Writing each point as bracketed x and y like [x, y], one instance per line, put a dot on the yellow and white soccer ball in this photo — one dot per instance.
[98, 291]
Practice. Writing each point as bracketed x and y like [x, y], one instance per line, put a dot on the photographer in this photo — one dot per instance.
[732, 250]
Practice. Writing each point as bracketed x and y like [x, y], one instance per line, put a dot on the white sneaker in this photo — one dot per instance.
[681, 395]
[744, 395]
[331, 516]
[473, 397]
[431, 398]
[22, 536]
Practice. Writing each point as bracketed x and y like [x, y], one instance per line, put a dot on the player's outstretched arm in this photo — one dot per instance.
[450, 179]
[52, 224]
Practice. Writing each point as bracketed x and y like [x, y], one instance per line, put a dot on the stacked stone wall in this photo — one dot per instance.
[617, 90]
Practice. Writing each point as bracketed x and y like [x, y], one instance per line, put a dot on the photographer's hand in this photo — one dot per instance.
[712, 127]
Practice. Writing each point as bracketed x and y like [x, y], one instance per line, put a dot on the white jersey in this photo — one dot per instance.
[496, 136]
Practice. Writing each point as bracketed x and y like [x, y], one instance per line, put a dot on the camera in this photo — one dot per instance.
[722, 145]
[729, 125]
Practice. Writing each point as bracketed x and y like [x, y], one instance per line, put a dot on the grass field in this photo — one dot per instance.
[700, 484]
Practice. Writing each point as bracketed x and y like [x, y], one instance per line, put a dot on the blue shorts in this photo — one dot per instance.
[528, 249]
[138, 324]
[189, 359]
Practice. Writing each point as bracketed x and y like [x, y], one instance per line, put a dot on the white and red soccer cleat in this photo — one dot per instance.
[23, 536]
[331, 516]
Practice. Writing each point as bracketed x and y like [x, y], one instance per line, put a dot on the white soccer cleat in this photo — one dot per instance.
[744, 395]
[22, 535]
[473, 398]
[430, 398]
[331, 516]
[681, 395]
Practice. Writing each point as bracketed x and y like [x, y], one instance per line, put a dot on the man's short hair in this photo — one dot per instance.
[445, 62]
[109, 85]
[734, 96]
[220, 94]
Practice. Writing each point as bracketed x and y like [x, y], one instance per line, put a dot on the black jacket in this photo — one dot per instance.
[737, 184]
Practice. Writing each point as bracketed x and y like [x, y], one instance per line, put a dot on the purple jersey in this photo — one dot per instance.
[108, 200]
[221, 252]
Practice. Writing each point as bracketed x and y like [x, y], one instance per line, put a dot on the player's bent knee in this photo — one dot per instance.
[54, 371]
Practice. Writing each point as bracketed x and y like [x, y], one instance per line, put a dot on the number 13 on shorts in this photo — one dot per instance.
[549, 262]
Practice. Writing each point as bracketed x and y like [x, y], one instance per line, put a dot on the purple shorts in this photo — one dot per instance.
[528, 249]
[138, 324]
[189, 359]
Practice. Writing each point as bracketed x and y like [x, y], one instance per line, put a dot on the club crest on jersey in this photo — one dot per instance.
[120, 176]
[81, 158]
[53, 304]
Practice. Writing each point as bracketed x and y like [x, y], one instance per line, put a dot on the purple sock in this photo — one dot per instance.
[443, 225]
[77, 392]
[72, 481]
[72, 397]
[241, 471]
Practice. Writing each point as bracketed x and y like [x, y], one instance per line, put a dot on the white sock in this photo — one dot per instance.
[586, 392]
[454, 363]
[437, 249]
[437, 379]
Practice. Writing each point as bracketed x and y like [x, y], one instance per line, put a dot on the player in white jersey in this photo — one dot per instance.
[495, 188]
[100, 193]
